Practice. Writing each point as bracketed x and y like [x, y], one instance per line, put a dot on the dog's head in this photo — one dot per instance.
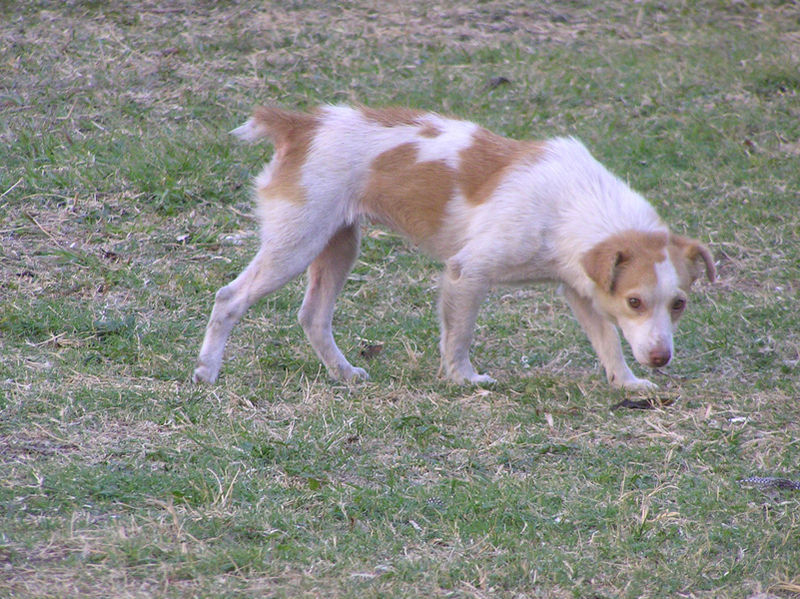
[642, 283]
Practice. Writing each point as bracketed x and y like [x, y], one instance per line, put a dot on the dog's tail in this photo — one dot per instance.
[274, 123]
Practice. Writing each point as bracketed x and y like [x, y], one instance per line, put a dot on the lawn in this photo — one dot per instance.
[124, 205]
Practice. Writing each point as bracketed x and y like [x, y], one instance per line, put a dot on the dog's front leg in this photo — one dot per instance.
[605, 340]
[459, 300]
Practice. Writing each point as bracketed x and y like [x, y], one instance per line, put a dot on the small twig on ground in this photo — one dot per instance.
[10, 189]
[42, 229]
[769, 482]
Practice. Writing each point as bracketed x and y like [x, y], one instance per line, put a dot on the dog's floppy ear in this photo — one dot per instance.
[693, 252]
[602, 263]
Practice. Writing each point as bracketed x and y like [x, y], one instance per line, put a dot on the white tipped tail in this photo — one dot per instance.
[277, 124]
[250, 132]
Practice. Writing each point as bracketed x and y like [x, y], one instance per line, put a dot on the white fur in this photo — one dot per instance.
[456, 136]
[655, 333]
[549, 209]
[248, 132]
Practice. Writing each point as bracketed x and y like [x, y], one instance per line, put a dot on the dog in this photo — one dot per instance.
[492, 209]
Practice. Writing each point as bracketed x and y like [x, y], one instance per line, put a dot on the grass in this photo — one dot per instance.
[124, 205]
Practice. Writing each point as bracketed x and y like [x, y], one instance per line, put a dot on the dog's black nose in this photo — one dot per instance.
[659, 357]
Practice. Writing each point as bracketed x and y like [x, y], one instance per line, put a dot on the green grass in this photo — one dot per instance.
[124, 205]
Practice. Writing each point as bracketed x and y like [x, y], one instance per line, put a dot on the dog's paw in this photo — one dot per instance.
[629, 381]
[352, 374]
[637, 384]
[470, 377]
[481, 379]
[204, 374]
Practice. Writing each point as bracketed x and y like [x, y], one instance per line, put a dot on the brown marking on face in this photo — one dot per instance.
[625, 261]
[292, 133]
[408, 195]
[484, 163]
[687, 254]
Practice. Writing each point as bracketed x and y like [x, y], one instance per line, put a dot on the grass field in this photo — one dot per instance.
[124, 205]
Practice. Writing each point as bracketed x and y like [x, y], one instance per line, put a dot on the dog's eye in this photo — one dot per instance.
[635, 303]
[678, 305]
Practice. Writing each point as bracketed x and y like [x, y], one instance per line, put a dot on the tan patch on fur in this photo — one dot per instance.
[408, 195]
[292, 133]
[282, 125]
[686, 254]
[625, 260]
[392, 117]
[401, 117]
[430, 131]
[484, 163]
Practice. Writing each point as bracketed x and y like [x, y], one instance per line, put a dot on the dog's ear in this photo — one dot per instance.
[696, 255]
[603, 263]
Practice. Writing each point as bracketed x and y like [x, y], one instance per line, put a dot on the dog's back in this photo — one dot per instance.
[420, 173]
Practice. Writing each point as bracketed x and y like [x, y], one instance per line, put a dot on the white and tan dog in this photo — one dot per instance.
[494, 210]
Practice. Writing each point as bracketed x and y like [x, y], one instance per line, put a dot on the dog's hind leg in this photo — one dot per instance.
[326, 276]
[279, 260]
